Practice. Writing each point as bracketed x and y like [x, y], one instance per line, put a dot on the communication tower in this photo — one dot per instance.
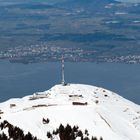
[63, 72]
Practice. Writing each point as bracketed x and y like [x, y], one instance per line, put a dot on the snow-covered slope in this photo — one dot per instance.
[102, 112]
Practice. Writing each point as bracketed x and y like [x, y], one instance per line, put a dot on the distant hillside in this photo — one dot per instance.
[91, 5]
[131, 1]
[106, 27]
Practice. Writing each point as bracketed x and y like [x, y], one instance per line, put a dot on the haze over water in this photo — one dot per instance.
[18, 80]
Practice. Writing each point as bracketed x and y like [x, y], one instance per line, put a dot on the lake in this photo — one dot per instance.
[18, 80]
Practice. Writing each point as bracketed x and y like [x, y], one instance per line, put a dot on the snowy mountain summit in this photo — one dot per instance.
[70, 112]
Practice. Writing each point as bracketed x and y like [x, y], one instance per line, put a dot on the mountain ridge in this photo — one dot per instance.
[102, 112]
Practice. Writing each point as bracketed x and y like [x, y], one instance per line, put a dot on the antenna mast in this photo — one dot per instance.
[63, 72]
